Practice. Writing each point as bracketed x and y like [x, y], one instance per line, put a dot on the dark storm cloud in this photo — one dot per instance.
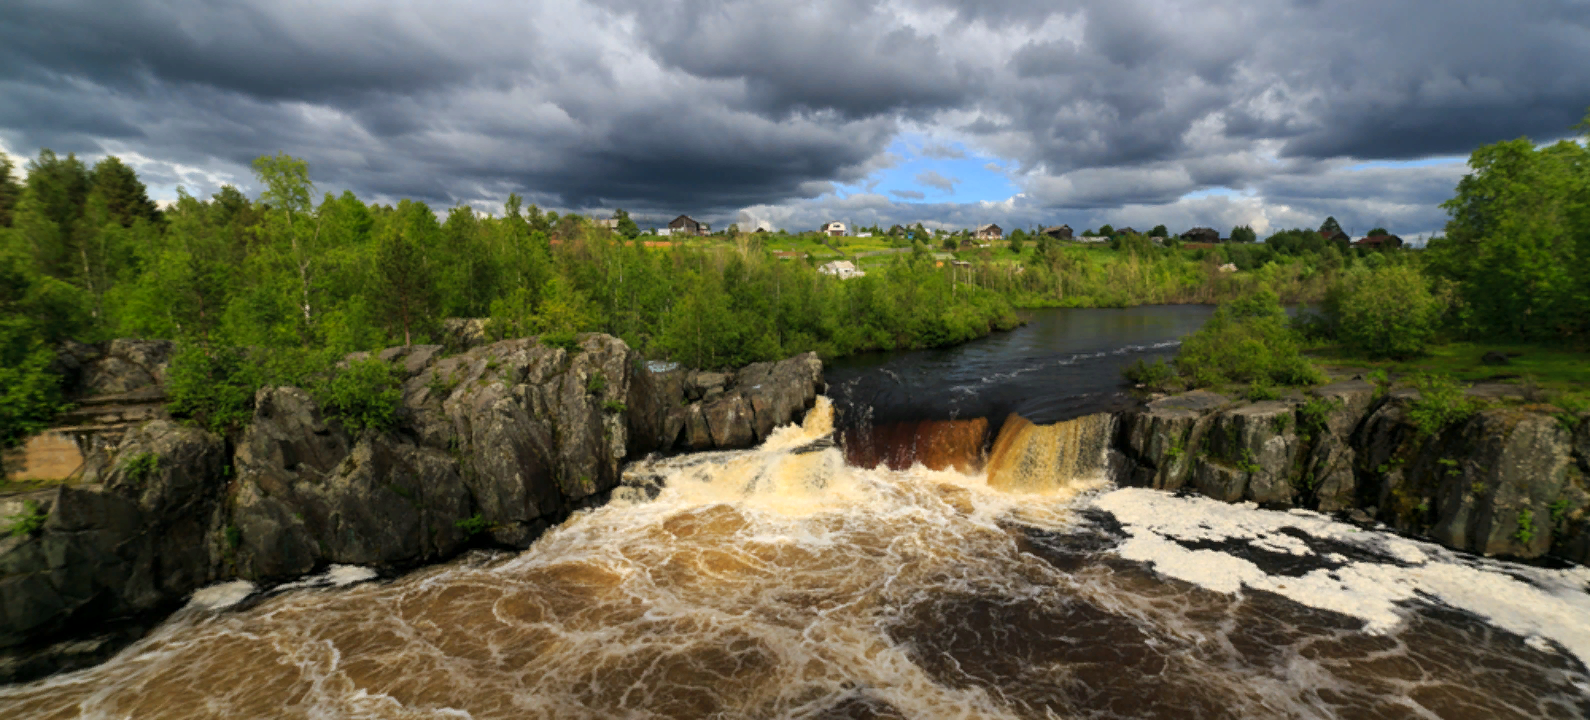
[709, 106]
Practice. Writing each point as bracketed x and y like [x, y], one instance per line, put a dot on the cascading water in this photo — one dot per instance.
[785, 582]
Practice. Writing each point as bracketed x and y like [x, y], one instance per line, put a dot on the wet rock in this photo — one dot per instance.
[1162, 439]
[1498, 477]
[1329, 474]
[1349, 401]
[126, 545]
[1258, 441]
[729, 421]
[1581, 442]
[697, 435]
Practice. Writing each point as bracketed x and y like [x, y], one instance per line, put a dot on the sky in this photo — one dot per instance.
[952, 113]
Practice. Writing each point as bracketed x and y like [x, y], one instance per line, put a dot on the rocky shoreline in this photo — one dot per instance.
[1507, 481]
[495, 445]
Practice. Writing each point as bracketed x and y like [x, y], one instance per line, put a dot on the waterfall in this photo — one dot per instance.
[1038, 458]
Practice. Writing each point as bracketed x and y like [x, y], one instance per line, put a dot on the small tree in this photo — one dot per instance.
[1330, 225]
[1378, 231]
[1387, 312]
[1107, 230]
[626, 226]
[1243, 234]
[1017, 240]
[1159, 231]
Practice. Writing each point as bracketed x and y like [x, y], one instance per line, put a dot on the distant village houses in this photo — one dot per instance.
[1201, 235]
[1335, 236]
[842, 269]
[835, 229]
[686, 225]
[989, 232]
[1058, 232]
[1379, 242]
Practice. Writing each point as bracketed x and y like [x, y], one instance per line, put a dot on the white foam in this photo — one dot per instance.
[1543, 604]
[222, 595]
[334, 576]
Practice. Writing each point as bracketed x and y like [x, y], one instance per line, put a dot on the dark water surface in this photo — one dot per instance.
[1065, 362]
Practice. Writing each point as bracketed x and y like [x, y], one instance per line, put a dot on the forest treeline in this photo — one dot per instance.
[292, 283]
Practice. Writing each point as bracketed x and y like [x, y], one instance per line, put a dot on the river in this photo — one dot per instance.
[958, 579]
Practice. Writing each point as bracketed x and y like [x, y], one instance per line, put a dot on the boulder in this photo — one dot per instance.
[1581, 442]
[131, 541]
[1162, 438]
[1499, 475]
[729, 421]
[1258, 441]
[126, 365]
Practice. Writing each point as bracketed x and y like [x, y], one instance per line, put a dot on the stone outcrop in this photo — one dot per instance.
[494, 444]
[128, 540]
[1506, 481]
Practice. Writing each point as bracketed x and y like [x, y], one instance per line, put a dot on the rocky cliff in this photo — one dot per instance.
[1507, 481]
[494, 445]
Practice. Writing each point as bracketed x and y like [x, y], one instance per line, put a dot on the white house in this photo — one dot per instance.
[842, 269]
[836, 229]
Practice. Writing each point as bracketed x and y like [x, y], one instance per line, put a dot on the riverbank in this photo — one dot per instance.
[493, 446]
[1504, 476]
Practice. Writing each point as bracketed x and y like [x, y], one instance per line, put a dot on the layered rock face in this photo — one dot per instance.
[1507, 481]
[494, 444]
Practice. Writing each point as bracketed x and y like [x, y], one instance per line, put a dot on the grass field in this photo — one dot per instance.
[1562, 374]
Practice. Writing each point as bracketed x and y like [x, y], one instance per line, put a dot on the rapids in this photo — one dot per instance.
[786, 582]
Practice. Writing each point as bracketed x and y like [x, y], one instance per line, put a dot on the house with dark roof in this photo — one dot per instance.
[1201, 235]
[989, 232]
[1058, 232]
[684, 224]
[1379, 242]
[1336, 236]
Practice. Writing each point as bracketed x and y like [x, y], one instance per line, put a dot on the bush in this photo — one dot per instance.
[365, 395]
[213, 386]
[1441, 403]
[27, 522]
[139, 467]
[1247, 340]
[1157, 374]
[1387, 312]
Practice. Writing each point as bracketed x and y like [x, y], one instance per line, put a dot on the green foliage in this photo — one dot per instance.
[1314, 415]
[139, 467]
[1526, 527]
[1441, 403]
[212, 386]
[1247, 340]
[596, 383]
[1559, 515]
[1259, 391]
[1176, 450]
[1384, 313]
[1243, 234]
[1159, 231]
[27, 522]
[1518, 240]
[1246, 464]
[472, 525]
[232, 536]
[364, 395]
[1155, 375]
[614, 406]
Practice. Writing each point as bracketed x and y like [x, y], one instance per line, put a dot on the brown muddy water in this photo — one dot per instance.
[786, 582]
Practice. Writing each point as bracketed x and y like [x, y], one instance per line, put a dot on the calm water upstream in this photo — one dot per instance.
[930, 559]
